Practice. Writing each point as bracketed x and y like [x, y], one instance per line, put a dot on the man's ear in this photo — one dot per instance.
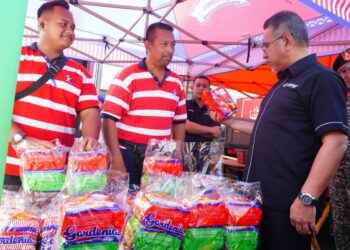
[146, 43]
[41, 23]
[288, 38]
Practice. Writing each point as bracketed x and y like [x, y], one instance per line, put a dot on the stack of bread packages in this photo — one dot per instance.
[243, 201]
[89, 217]
[162, 158]
[208, 212]
[19, 225]
[42, 175]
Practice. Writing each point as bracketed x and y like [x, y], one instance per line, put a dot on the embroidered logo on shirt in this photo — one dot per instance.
[289, 85]
[68, 78]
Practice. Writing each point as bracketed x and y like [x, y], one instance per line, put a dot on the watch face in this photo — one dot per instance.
[306, 200]
[17, 138]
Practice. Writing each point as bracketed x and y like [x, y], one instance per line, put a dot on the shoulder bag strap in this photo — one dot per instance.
[52, 70]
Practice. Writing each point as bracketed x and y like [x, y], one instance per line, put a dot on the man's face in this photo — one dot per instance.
[273, 51]
[344, 72]
[160, 51]
[58, 28]
[199, 86]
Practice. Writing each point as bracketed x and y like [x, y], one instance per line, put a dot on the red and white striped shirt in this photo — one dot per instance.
[143, 109]
[50, 111]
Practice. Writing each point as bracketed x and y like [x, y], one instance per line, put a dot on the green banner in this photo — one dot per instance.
[12, 16]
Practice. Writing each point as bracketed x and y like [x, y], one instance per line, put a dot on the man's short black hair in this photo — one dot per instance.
[201, 77]
[150, 33]
[48, 6]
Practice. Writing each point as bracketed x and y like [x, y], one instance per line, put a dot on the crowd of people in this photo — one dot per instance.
[299, 142]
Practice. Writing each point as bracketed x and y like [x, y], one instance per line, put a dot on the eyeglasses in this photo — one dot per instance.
[264, 46]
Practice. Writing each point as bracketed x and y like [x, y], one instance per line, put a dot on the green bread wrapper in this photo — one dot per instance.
[206, 238]
[42, 181]
[159, 184]
[156, 241]
[241, 237]
[86, 183]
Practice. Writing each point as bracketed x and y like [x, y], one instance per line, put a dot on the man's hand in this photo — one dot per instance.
[215, 131]
[116, 168]
[88, 144]
[303, 217]
[34, 143]
[214, 116]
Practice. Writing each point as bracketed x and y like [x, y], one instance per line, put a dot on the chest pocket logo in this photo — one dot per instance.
[289, 85]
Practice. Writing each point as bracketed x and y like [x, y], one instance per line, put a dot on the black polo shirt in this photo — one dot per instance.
[308, 101]
[200, 116]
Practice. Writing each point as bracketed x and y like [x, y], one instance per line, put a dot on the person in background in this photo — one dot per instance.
[199, 126]
[299, 137]
[201, 130]
[144, 101]
[49, 112]
[340, 186]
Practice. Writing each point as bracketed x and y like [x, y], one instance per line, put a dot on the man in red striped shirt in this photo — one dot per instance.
[49, 112]
[144, 101]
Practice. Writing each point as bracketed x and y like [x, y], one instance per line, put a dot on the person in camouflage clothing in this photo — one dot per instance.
[340, 188]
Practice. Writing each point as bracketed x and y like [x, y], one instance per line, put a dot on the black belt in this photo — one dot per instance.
[131, 145]
[12, 180]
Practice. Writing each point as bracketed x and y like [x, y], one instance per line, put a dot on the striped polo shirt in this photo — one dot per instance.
[142, 108]
[50, 112]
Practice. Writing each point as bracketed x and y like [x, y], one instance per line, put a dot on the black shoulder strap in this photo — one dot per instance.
[52, 70]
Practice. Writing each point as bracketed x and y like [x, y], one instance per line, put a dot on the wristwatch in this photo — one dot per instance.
[307, 199]
[17, 138]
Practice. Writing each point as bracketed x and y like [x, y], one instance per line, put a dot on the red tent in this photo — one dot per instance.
[258, 81]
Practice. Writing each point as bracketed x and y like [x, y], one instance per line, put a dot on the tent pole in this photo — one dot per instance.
[121, 39]
[148, 8]
[107, 5]
[106, 20]
[168, 11]
[98, 76]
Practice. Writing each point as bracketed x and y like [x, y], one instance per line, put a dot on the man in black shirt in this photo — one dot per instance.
[199, 126]
[200, 130]
[299, 137]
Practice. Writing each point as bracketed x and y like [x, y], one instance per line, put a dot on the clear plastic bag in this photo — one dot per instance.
[91, 221]
[243, 201]
[19, 226]
[204, 157]
[42, 174]
[162, 158]
[87, 171]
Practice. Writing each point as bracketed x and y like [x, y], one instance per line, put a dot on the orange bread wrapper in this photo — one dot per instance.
[158, 165]
[43, 160]
[88, 161]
